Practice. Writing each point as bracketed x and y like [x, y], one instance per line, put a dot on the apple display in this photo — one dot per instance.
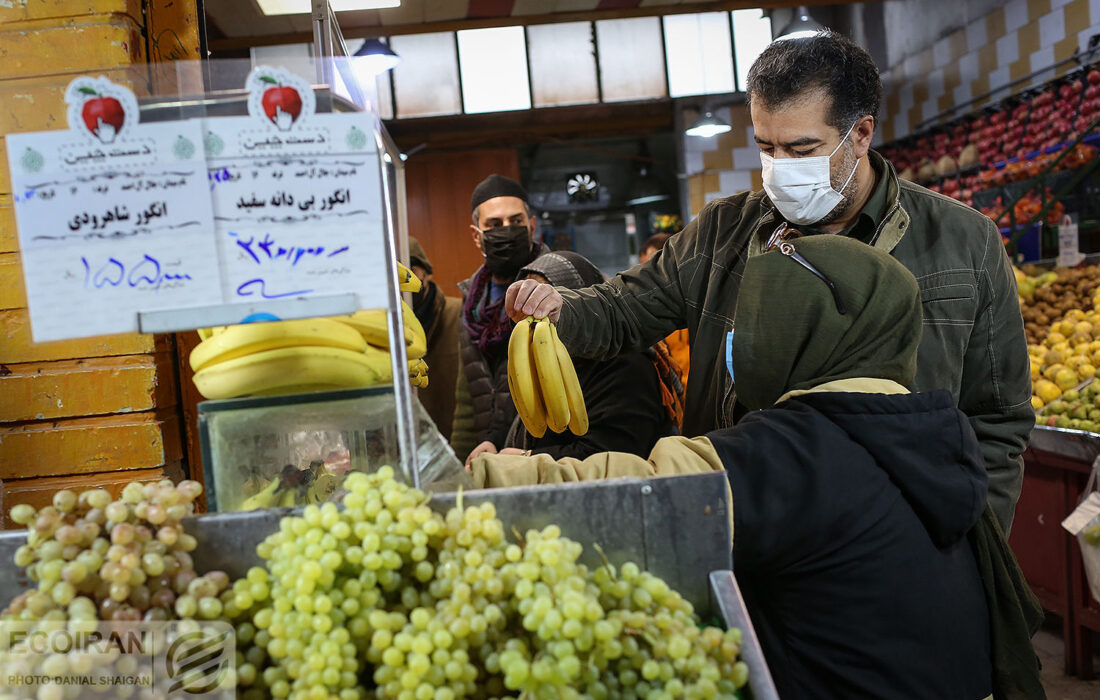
[102, 115]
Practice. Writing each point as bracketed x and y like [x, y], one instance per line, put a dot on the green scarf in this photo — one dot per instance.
[789, 334]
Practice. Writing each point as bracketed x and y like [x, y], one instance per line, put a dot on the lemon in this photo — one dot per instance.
[1053, 357]
[1046, 390]
[1035, 367]
[1036, 403]
[1085, 371]
[1055, 337]
[1052, 371]
[1066, 378]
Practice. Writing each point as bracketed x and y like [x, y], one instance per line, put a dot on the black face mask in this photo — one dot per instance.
[507, 249]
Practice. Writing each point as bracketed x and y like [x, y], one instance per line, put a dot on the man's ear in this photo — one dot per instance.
[531, 228]
[477, 237]
[862, 135]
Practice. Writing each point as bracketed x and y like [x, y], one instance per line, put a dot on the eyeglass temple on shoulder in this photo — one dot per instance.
[787, 248]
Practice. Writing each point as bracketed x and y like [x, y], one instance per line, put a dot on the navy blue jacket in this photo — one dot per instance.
[850, 520]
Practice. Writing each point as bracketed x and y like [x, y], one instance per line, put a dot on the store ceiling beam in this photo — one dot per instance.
[350, 31]
[552, 124]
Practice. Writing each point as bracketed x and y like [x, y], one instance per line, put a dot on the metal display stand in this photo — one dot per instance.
[674, 527]
[331, 54]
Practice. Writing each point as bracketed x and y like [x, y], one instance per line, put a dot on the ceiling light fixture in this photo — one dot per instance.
[304, 7]
[708, 125]
[801, 26]
[373, 58]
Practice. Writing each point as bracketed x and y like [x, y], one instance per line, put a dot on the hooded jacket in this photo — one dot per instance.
[972, 345]
[851, 509]
[850, 519]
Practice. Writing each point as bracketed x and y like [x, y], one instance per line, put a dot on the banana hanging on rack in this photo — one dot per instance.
[578, 412]
[418, 373]
[523, 379]
[407, 281]
[550, 379]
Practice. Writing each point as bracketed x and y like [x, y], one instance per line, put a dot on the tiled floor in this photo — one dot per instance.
[1059, 686]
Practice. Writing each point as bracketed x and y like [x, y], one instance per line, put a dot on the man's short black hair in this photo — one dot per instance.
[789, 68]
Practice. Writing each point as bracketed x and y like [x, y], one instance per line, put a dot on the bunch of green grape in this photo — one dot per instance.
[124, 560]
[386, 598]
[95, 559]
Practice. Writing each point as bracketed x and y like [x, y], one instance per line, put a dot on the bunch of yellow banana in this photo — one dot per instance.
[543, 381]
[407, 281]
[371, 325]
[283, 357]
[293, 487]
[418, 373]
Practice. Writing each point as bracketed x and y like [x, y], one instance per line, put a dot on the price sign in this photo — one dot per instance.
[297, 199]
[1069, 247]
[113, 216]
[118, 218]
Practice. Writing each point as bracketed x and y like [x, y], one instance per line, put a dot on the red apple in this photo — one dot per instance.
[102, 110]
[1093, 77]
[282, 98]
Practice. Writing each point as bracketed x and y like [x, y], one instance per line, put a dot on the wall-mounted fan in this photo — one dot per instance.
[582, 187]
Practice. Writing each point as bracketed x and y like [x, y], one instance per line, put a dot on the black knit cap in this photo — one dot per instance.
[496, 186]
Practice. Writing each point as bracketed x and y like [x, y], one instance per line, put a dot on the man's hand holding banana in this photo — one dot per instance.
[530, 298]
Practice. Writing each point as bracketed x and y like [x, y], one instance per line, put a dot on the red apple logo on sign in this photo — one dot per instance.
[102, 115]
[281, 104]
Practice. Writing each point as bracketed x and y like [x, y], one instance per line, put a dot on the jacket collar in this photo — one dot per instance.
[853, 385]
[890, 230]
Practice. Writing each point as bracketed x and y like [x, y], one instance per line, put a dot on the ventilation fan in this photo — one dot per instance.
[582, 187]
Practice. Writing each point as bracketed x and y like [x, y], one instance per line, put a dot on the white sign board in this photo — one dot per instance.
[114, 216]
[117, 218]
[298, 207]
[1069, 247]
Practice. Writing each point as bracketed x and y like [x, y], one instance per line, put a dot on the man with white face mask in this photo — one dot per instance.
[813, 103]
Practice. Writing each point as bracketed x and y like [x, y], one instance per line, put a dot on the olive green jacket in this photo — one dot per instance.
[973, 342]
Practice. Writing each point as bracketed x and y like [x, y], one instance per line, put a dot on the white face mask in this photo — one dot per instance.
[802, 188]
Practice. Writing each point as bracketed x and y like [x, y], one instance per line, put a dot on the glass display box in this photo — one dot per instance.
[296, 449]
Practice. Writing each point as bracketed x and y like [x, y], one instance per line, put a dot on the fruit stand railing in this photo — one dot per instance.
[677, 528]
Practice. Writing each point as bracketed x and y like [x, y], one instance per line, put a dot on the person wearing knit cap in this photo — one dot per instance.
[503, 229]
[622, 395]
[866, 554]
[441, 318]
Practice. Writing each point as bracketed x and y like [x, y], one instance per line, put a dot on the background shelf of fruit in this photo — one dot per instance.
[994, 160]
[1061, 310]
